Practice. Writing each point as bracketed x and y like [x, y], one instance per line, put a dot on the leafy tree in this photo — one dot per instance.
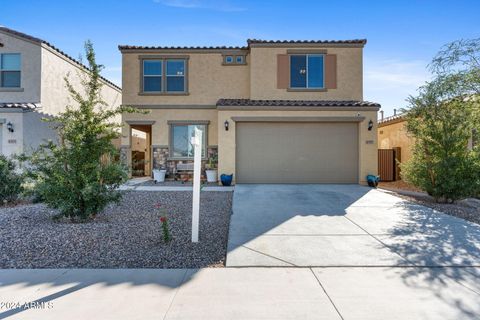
[10, 181]
[80, 174]
[442, 119]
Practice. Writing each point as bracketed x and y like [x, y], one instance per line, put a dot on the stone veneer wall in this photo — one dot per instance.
[161, 161]
[124, 155]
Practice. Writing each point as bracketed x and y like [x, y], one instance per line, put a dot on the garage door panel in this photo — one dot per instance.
[274, 152]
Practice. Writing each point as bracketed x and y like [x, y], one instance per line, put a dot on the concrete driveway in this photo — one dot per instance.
[343, 225]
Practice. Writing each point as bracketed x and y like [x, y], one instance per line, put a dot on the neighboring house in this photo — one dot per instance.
[273, 111]
[392, 133]
[32, 87]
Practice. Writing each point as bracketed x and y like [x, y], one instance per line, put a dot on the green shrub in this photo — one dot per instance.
[80, 175]
[10, 181]
[441, 119]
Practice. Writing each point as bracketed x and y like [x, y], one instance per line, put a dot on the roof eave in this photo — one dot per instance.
[307, 45]
[141, 49]
[296, 108]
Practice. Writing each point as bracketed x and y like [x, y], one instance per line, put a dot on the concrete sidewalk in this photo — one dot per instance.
[243, 293]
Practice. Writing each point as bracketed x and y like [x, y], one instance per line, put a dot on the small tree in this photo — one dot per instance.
[10, 181]
[80, 174]
[442, 119]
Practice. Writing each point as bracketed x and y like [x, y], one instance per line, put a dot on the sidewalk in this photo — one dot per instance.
[243, 293]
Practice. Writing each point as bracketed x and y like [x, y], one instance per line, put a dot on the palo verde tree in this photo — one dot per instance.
[442, 119]
[79, 174]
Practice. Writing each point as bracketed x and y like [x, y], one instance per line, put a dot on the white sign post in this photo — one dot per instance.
[197, 160]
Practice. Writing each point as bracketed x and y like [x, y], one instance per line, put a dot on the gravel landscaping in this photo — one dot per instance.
[125, 235]
[468, 209]
[175, 183]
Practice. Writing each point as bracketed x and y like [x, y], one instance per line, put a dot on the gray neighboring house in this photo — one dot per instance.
[32, 87]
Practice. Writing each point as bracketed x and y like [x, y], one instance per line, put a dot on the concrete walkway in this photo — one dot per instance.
[343, 225]
[242, 293]
[173, 188]
[136, 184]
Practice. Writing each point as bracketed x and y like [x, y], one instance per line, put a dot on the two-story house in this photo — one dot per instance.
[32, 87]
[273, 111]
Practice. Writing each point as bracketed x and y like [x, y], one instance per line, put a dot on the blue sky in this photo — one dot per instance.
[402, 36]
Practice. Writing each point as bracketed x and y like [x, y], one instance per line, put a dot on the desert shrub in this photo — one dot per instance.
[10, 180]
[79, 175]
[442, 118]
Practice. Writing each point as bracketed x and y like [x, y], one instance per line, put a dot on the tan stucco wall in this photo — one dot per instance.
[160, 129]
[30, 73]
[263, 85]
[55, 96]
[208, 81]
[226, 139]
[367, 152]
[395, 135]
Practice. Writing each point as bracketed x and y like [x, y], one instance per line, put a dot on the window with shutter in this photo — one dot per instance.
[307, 71]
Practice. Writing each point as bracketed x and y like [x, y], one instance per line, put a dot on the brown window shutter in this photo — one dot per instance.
[282, 71]
[331, 71]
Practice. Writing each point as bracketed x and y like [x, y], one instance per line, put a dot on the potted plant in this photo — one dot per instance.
[211, 169]
[159, 175]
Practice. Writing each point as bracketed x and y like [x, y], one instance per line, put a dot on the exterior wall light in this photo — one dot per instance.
[370, 125]
[226, 124]
[10, 127]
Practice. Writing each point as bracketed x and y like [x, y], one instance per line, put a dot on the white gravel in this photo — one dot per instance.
[126, 235]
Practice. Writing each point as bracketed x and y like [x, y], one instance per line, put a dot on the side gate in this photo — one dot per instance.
[388, 169]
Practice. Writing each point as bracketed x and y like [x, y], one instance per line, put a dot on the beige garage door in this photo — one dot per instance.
[296, 152]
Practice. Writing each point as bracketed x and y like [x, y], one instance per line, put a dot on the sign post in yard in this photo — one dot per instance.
[196, 141]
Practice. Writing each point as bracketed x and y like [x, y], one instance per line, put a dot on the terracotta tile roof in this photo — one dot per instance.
[392, 119]
[353, 41]
[127, 47]
[249, 42]
[296, 103]
[21, 105]
[40, 41]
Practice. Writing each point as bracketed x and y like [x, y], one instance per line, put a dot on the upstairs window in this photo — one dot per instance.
[233, 59]
[240, 59]
[152, 75]
[307, 71]
[10, 70]
[175, 75]
[164, 76]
